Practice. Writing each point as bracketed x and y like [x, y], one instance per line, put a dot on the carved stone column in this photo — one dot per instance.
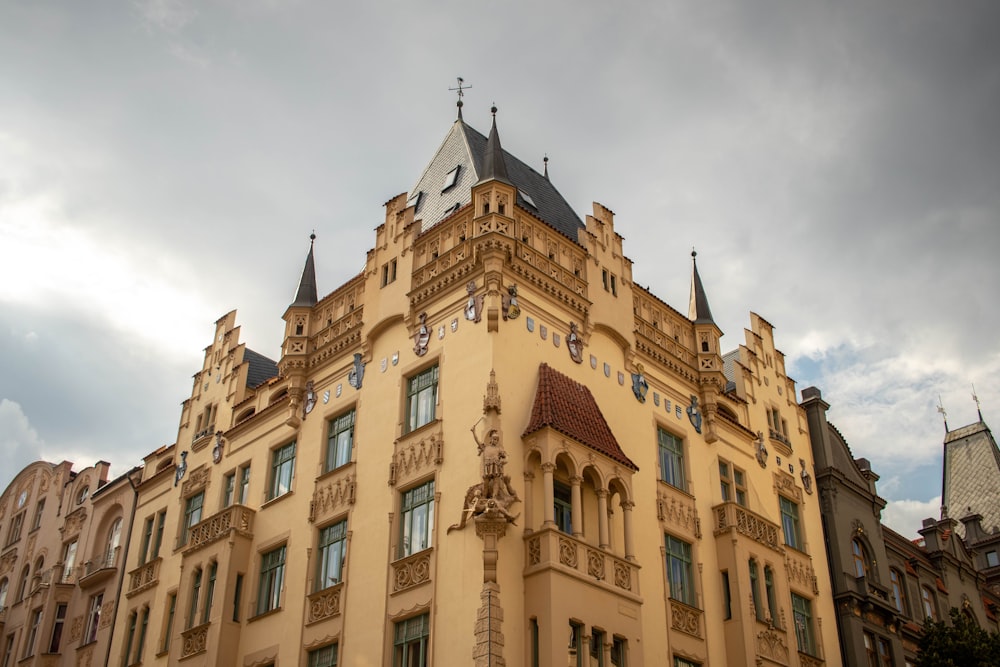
[602, 517]
[627, 506]
[550, 493]
[577, 505]
[529, 500]
[488, 651]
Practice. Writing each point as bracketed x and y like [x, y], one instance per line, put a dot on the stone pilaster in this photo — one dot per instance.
[488, 651]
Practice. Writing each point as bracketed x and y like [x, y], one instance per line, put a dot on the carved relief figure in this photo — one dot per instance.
[357, 374]
[694, 413]
[310, 402]
[510, 308]
[761, 450]
[422, 337]
[574, 344]
[807, 482]
[474, 307]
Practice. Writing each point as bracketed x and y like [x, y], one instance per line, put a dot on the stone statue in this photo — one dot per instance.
[493, 496]
[422, 337]
[474, 307]
[574, 344]
[510, 308]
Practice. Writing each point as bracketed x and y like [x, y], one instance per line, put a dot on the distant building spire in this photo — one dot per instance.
[698, 310]
[979, 408]
[306, 294]
[545, 161]
[944, 414]
[494, 167]
[461, 93]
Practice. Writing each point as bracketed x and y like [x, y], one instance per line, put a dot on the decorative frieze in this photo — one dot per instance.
[325, 603]
[551, 548]
[785, 485]
[411, 571]
[800, 571]
[678, 510]
[413, 456]
[73, 522]
[685, 618]
[332, 495]
[197, 480]
[771, 645]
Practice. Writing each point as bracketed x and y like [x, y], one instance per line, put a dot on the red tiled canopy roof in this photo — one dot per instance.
[568, 407]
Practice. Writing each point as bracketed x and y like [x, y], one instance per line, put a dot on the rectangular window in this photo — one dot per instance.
[57, 628]
[410, 642]
[237, 593]
[323, 657]
[991, 559]
[679, 570]
[93, 618]
[161, 518]
[332, 549]
[192, 514]
[619, 652]
[195, 594]
[671, 459]
[14, 534]
[450, 179]
[884, 652]
[727, 596]
[790, 522]
[243, 488]
[339, 441]
[389, 272]
[421, 398]
[758, 603]
[206, 612]
[147, 539]
[171, 608]
[129, 638]
[576, 641]
[36, 523]
[802, 613]
[8, 650]
[596, 648]
[535, 658]
[228, 489]
[930, 608]
[683, 662]
[282, 470]
[417, 519]
[69, 561]
[143, 624]
[563, 506]
[272, 578]
[36, 622]
[772, 600]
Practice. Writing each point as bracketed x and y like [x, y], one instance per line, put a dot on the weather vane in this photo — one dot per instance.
[979, 408]
[461, 93]
[944, 415]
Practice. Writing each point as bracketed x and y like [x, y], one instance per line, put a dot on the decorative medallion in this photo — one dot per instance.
[217, 450]
[543, 331]
[777, 459]
[621, 378]
[421, 338]
[395, 355]
[694, 413]
[530, 323]
[607, 370]
[454, 325]
[677, 411]
[441, 332]
[555, 339]
[666, 405]
[593, 362]
[640, 387]
[340, 390]
[656, 399]
[574, 344]
[383, 365]
[474, 307]
[510, 308]
[356, 375]
[326, 397]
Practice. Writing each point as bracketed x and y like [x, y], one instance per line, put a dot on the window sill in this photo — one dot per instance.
[265, 614]
[277, 499]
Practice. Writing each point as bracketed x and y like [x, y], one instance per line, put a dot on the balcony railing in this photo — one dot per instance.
[730, 516]
[685, 618]
[194, 640]
[325, 603]
[144, 577]
[99, 569]
[550, 548]
[235, 518]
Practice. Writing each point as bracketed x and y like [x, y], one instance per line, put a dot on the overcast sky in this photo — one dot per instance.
[836, 164]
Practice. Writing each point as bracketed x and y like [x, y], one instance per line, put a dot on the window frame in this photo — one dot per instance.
[410, 500]
[58, 625]
[403, 640]
[272, 579]
[419, 413]
[670, 449]
[680, 577]
[791, 526]
[324, 656]
[859, 554]
[897, 588]
[192, 515]
[928, 602]
[282, 470]
[562, 506]
[732, 483]
[332, 541]
[339, 440]
[93, 618]
[802, 620]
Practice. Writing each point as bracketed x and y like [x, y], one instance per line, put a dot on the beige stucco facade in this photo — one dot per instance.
[609, 556]
[64, 535]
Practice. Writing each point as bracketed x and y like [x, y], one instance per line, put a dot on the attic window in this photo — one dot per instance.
[450, 178]
[415, 199]
[527, 199]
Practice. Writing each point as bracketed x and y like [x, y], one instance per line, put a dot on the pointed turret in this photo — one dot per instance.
[306, 294]
[698, 310]
[494, 167]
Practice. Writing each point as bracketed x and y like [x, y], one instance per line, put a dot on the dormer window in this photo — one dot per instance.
[527, 199]
[414, 200]
[450, 178]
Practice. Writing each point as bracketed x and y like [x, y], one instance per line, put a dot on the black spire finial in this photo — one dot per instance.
[461, 93]
[494, 166]
[979, 408]
[545, 161]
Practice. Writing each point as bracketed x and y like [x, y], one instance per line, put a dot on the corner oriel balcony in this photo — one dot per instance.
[551, 549]
[730, 517]
[143, 577]
[233, 519]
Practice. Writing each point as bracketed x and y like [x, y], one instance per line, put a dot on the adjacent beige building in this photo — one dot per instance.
[489, 447]
[64, 535]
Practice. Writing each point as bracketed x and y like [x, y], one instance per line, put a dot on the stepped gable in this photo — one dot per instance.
[567, 406]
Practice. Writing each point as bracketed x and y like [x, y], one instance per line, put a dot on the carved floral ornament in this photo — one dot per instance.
[785, 485]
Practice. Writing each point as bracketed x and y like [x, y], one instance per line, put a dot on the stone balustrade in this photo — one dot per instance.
[551, 548]
[143, 577]
[324, 604]
[685, 618]
[730, 516]
[235, 518]
[411, 571]
[194, 640]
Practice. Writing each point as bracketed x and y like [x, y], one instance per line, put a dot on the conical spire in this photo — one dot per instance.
[494, 167]
[698, 310]
[306, 295]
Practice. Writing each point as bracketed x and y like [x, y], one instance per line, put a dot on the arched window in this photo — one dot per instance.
[930, 607]
[772, 600]
[4, 584]
[861, 561]
[898, 589]
[114, 539]
[22, 586]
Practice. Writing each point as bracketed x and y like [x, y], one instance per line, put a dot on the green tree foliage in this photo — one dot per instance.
[962, 643]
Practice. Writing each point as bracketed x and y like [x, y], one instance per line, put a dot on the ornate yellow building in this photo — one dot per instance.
[489, 447]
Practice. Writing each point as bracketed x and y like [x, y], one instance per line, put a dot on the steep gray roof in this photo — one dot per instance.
[698, 310]
[261, 369]
[971, 475]
[465, 148]
[306, 294]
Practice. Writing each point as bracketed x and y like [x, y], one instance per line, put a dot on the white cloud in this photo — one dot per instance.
[906, 516]
[20, 443]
